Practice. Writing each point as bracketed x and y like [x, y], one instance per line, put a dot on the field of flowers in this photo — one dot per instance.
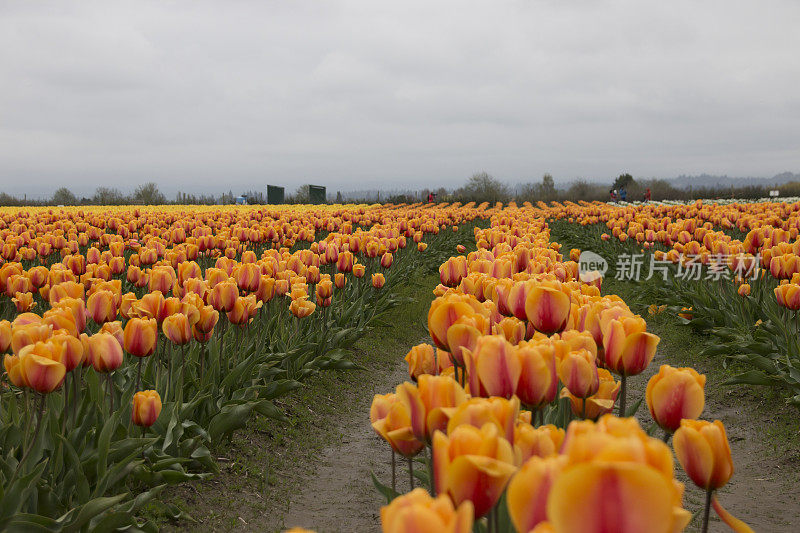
[138, 339]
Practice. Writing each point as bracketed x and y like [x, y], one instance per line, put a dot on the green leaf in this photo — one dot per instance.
[92, 509]
[753, 377]
[387, 492]
[103, 443]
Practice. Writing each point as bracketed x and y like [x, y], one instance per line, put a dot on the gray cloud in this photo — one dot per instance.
[208, 96]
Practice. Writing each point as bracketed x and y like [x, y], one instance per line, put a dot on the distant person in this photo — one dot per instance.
[430, 197]
[647, 195]
[623, 194]
[613, 194]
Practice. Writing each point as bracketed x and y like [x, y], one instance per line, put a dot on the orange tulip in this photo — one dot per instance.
[14, 371]
[599, 403]
[378, 281]
[248, 277]
[23, 301]
[78, 309]
[605, 453]
[177, 329]
[431, 403]
[324, 289]
[208, 317]
[100, 306]
[581, 495]
[417, 512]
[339, 280]
[472, 464]
[104, 352]
[478, 411]
[115, 329]
[146, 408]
[152, 305]
[529, 489]
[72, 351]
[5, 335]
[61, 318]
[161, 279]
[578, 373]
[493, 368]
[302, 308]
[788, 296]
[32, 333]
[387, 259]
[744, 289]
[542, 441]
[628, 348]
[547, 309]
[703, 451]
[446, 311]
[538, 381]
[674, 394]
[512, 329]
[223, 296]
[41, 368]
[344, 262]
[391, 420]
[266, 289]
[421, 360]
[141, 336]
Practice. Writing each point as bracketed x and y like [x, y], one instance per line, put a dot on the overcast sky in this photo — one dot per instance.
[211, 96]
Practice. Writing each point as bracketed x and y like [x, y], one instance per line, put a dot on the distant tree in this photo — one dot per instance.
[302, 194]
[148, 194]
[623, 180]
[64, 196]
[483, 187]
[548, 188]
[108, 196]
[339, 197]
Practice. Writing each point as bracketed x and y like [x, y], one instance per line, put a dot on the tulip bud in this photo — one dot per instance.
[421, 360]
[493, 368]
[105, 352]
[578, 373]
[5, 336]
[674, 394]
[378, 280]
[472, 464]
[100, 306]
[547, 309]
[391, 420]
[146, 408]
[702, 449]
[405, 512]
[542, 441]
[177, 329]
[140, 336]
[302, 308]
[41, 368]
[529, 489]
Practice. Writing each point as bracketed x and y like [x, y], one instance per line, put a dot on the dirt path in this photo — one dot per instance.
[339, 496]
[762, 491]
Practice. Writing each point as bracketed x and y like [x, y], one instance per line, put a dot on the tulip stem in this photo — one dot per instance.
[709, 493]
[39, 413]
[138, 373]
[429, 457]
[411, 472]
[394, 473]
[666, 436]
[110, 394]
[623, 390]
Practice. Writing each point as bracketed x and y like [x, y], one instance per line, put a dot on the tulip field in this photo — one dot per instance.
[138, 340]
